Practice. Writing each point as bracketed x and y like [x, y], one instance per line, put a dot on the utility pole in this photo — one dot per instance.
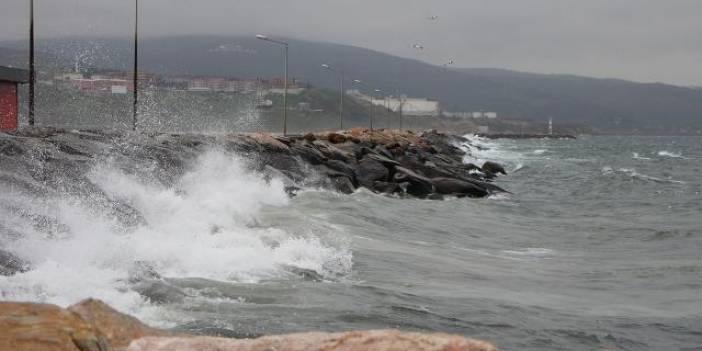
[285, 94]
[400, 109]
[136, 64]
[285, 82]
[341, 103]
[32, 68]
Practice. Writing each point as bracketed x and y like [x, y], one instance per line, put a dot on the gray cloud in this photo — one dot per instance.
[643, 40]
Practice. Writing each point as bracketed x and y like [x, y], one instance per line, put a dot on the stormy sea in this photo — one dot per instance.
[598, 245]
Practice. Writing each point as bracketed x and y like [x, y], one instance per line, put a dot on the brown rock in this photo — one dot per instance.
[119, 329]
[87, 326]
[380, 340]
[40, 327]
[336, 138]
[267, 142]
[310, 137]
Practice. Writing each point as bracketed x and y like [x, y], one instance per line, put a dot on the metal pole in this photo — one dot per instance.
[32, 72]
[400, 109]
[341, 103]
[136, 65]
[371, 110]
[285, 94]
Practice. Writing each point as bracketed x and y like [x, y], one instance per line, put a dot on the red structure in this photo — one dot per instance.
[9, 101]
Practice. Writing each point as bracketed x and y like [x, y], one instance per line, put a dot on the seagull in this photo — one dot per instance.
[449, 63]
[433, 18]
[418, 47]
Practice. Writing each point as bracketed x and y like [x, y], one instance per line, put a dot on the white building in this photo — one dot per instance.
[479, 114]
[410, 106]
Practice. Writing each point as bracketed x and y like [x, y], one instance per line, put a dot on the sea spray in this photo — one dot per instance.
[206, 225]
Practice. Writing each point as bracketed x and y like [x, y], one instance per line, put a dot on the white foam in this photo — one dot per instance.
[636, 156]
[670, 154]
[206, 226]
[481, 150]
[632, 173]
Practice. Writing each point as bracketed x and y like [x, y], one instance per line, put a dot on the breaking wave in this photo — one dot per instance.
[633, 174]
[206, 225]
[670, 154]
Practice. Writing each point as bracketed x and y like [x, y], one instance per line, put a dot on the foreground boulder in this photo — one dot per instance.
[379, 340]
[88, 326]
[37, 327]
[92, 325]
[117, 328]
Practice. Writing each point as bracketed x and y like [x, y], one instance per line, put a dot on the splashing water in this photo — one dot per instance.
[205, 226]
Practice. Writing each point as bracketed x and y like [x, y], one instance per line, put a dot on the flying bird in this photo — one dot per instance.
[433, 18]
[449, 63]
[418, 47]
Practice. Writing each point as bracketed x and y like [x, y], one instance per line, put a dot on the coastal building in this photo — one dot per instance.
[10, 78]
[476, 115]
[419, 107]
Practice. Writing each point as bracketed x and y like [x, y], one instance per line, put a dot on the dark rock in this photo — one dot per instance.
[369, 171]
[8, 148]
[271, 173]
[383, 151]
[308, 153]
[388, 162]
[343, 184]
[10, 264]
[159, 292]
[342, 167]
[435, 196]
[450, 186]
[385, 187]
[310, 137]
[333, 152]
[336, 138]
[418, 185]
[494, 168]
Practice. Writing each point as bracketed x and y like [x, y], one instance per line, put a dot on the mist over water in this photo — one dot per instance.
[598, 246]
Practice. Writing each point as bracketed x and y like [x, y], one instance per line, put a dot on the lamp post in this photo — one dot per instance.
[32, 72]
[372, 96]
[341, 93]
[135, 107]
[285, 82]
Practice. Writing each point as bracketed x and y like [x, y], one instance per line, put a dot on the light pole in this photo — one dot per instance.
[372, 95]
[341, 96]
[285, 82]
[135, 106]
[32, 72]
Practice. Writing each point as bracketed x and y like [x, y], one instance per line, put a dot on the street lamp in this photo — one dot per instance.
[341, 97]
[135, 107]
[285, 82]
[372, 95]
[32, 71]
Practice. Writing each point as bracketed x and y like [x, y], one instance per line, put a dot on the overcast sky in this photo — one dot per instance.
[642, 40]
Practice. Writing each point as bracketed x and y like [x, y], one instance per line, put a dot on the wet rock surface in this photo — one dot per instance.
[376, 340]
[91, 325]
[88, 326]
[426, 165]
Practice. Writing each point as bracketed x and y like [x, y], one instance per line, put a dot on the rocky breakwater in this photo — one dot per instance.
[424, 165]
[92, 325]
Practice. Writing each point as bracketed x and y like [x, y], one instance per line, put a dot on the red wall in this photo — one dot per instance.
[8, 106]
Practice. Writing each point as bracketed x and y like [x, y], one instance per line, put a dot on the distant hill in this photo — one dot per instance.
[606, 104]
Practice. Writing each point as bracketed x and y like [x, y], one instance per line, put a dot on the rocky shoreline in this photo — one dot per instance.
[92, 325]
[427, 165]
